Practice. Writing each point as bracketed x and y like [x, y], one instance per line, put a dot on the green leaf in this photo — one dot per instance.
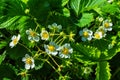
[7, 71]
[80, 6]
[66, 12]
[89, 52]
[64, 2]
[39, 65]
[94, 4]
[2, 57]
[103, 71]
[3, 44]
[75, 5]
[86, 19]
[9, 22]
[110, 8]
[25, 1]
[111, 52]
[17, 51]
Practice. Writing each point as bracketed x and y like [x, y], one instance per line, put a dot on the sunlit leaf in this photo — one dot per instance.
[86, 19]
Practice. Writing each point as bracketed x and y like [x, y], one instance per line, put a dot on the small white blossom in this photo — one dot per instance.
[44, 35]
[107, 25]
[55, 27]
[65, 50]
[97, 35]
[15, 40]
[86, 34]
[32, 35]
[102, 30]
[100, 19]
[29, 62]
[51, 48]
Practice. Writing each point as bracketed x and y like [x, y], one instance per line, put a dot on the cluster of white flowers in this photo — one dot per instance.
[63, 51]
[52, 48]
[100, 32]
[34, 36]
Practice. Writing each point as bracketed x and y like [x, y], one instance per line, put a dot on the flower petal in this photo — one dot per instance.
[27, 66]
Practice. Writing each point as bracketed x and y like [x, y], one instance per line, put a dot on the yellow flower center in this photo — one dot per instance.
[85, 34]
[97, 36]
[51, 48]
[106, 25]
[15, 41]
[28, 61]
[65, 51]
[32, 33]
[45, 35]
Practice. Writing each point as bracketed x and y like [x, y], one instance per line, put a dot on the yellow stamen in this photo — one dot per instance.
[106, 25]
[45, 35]
[51, 48]
[65, 51]
[28, 61]
[15, 41]
[32, 33]
[97, 36]
[85, 34]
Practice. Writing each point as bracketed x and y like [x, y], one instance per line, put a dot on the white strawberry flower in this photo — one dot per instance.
[29, 62]
[86, 34]
[98, 35]
[15, 40]
[55, 27]
[44, 35]
[65, 51]
[107, 25]
[51, 48]
[32, 35]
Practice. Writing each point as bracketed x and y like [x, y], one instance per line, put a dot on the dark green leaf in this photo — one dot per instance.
[3, 44]
[103, 71]
[9, 22]
[2, 57]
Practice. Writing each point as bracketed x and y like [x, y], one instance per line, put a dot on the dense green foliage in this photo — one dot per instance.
[38, 27]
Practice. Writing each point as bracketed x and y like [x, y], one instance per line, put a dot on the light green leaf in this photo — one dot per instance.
[25, 1]
[66, 12]
[75, 5]
[103, 71]
[64, 2]
[2, 57]
[86, 19]
[94, 4]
